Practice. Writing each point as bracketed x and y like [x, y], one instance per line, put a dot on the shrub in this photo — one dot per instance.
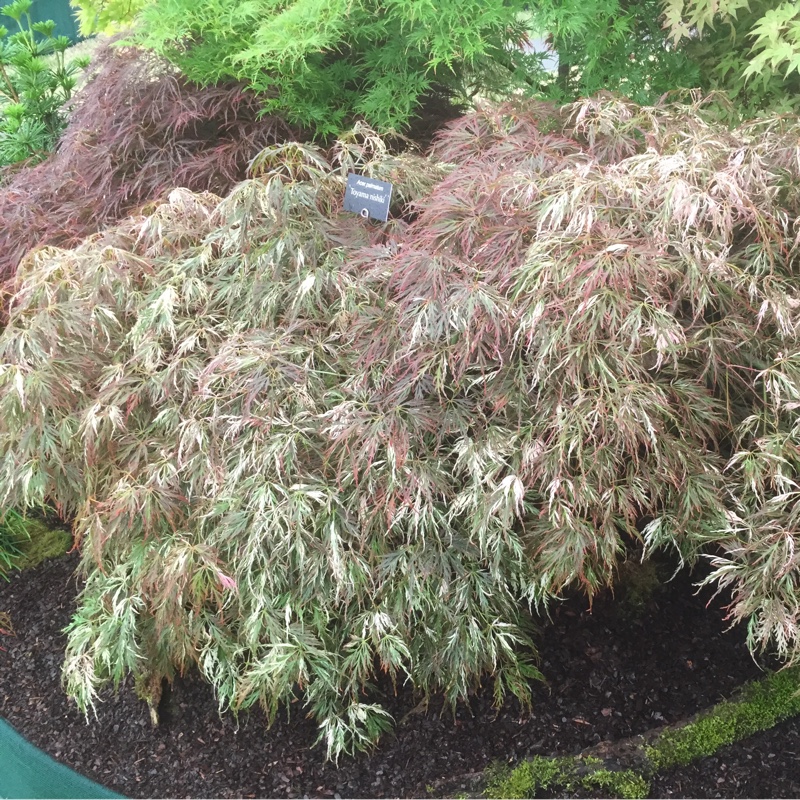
[324, 65]
[629, 327]
[301, 449]
[137, 130]
[33, 91]
[635, 315]
[256, 292]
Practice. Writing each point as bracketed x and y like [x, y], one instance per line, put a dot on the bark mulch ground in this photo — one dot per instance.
[613, 671]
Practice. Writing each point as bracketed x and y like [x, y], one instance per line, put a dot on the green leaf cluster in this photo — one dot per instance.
[105, 16]
[776, 37]
[748, 49]
[611, 45]
[761, 705]
[541, 774]
[12, 532]
[26, 541]
[325, 63]
[33, 90]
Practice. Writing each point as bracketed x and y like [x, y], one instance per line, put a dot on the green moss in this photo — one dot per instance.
[530, 777]
[39, 543]
[626, 784]
[762, 705]
[543, 774]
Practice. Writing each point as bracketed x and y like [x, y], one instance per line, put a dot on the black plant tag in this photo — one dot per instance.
[368, 197]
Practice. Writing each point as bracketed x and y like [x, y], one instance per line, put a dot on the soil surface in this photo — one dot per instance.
[614, 670]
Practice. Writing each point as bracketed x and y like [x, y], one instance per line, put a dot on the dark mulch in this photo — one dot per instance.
[612, 673]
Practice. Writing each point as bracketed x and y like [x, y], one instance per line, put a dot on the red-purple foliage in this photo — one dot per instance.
[138, 129]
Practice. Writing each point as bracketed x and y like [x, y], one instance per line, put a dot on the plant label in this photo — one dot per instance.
[368, 197]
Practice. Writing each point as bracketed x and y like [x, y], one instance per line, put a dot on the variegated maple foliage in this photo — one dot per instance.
[300, 449]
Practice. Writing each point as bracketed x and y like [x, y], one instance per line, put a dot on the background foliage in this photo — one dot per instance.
[751, 50]
[608, 44]
[323, 63]
[748, 49]
[32, 90]
[300, 449]
[105, 16]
